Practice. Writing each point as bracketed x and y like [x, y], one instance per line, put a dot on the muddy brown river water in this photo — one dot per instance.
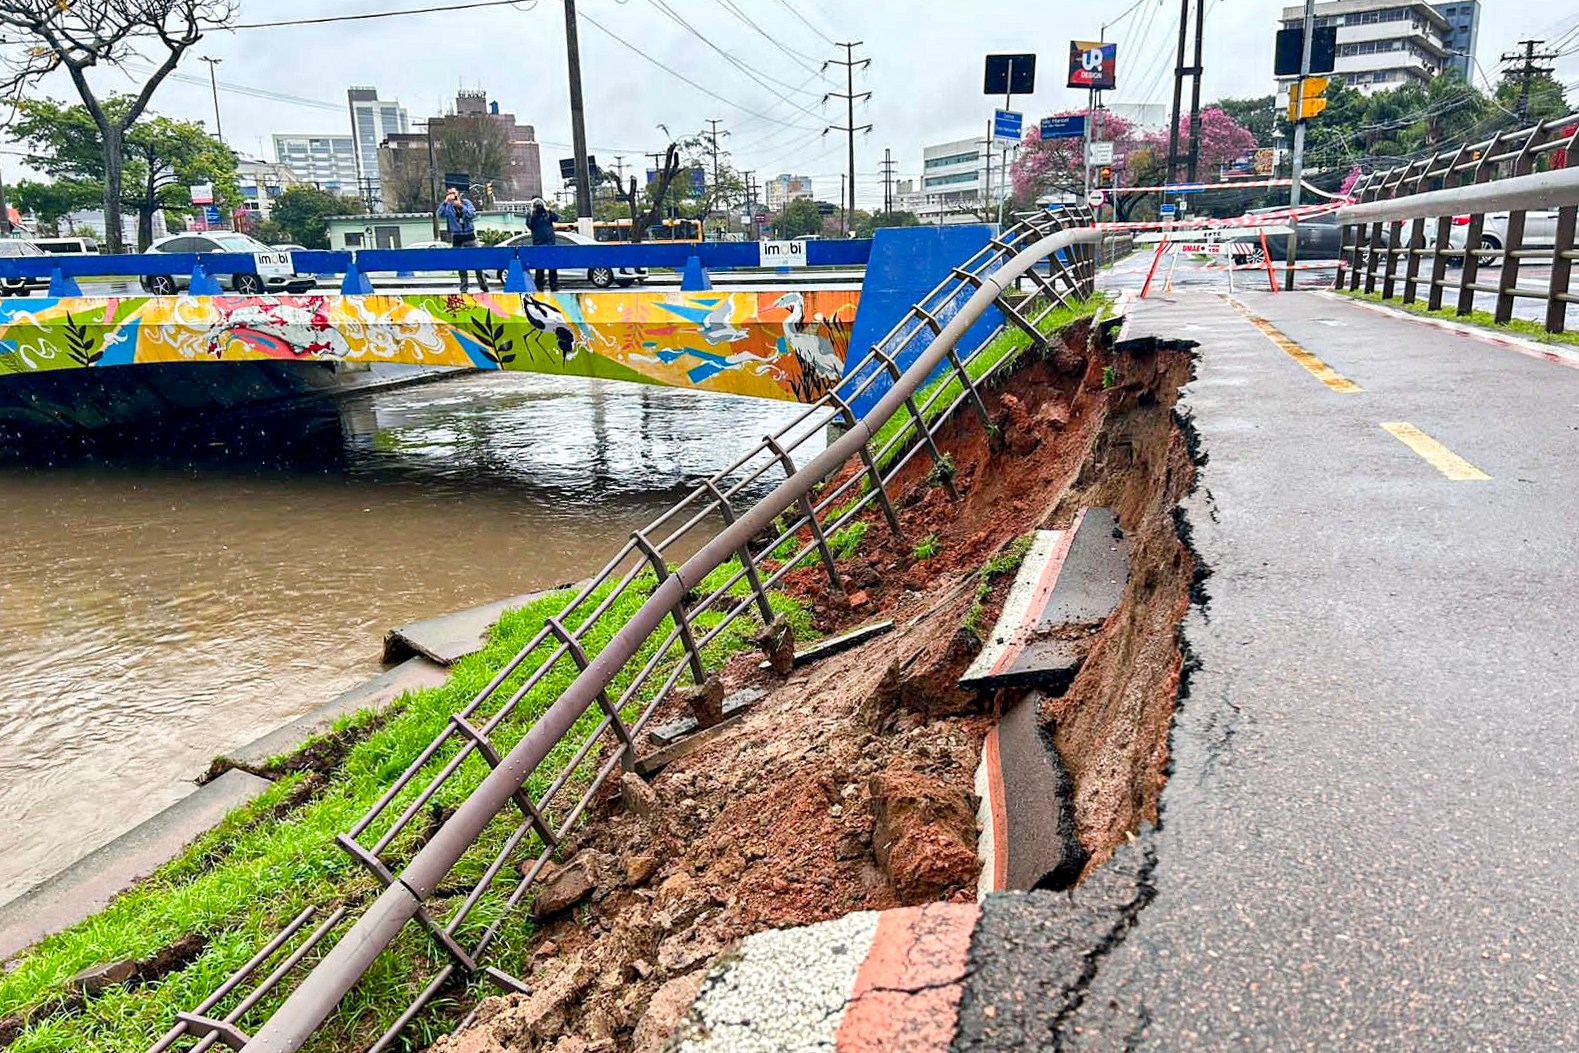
[162, 605]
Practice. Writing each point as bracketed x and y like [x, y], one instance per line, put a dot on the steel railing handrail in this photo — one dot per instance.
[1559, 186]
[938, 320]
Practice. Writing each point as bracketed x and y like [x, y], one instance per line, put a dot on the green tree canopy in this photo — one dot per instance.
[302, 213]
[869, 223]
[160, 159]
[798, 218]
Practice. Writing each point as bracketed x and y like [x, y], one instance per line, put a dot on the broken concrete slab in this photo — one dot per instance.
[1070, 581]
[1028, 838]
[88, 884]
[451, 637]
[834, 644]
[675, 730]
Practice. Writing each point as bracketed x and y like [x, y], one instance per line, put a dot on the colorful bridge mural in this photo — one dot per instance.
[780, 344]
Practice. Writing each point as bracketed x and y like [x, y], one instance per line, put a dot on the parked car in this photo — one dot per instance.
[600, 276]
[1540, 231]
[11, 249]
[222, 241]
[430, 245]
[1317, 238]
[66, 246]
[290, 247]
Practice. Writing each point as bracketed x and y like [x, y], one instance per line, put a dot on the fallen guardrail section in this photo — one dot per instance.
[612, 696]
[1517, 173]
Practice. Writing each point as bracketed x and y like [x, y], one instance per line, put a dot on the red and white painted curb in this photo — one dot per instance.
[865, 983]
[1533, 348]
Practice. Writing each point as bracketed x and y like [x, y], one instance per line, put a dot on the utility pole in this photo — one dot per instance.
[1180, 71]
[578, 117]
[850, 97]
[1529, 71]
[751, 202]
[888, 180]
[5, 213]
[1299, 140]
[712, 138]
[433, 186]
[842, 212]
[213, 85]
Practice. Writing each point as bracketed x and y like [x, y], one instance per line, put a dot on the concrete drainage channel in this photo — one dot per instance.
[809, 879]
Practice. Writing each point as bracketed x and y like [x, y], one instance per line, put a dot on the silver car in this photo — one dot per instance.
[1540, 231]
[602, 277]
[222, 241]
[10, 249]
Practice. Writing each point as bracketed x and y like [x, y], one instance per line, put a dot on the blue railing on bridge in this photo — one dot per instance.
[693, 259]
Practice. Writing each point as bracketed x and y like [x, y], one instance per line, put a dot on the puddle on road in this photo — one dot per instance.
[157, 609]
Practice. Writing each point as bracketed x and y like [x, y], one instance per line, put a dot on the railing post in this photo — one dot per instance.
[919, 421]
[1477, 226]
[743, 553]
[1563, 243]
[874, 477]
[1444, 239]
[1508, 280]
[953, 357]
[661, 570]
[810, 513]
[605, 703]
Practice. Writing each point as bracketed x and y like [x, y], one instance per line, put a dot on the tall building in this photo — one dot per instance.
[261, 182]
[372, 121]
[1382, 44]
[489, 146]
[1463, 32]
[782, 189]
[327, 162]
[955, 183]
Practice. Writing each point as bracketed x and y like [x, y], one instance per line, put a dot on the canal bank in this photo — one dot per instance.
[165, 607]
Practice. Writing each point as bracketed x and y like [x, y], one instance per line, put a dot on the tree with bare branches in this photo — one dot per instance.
[78, 35]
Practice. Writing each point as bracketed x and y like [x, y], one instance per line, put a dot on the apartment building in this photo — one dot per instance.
[1382, 44]
[327, 162]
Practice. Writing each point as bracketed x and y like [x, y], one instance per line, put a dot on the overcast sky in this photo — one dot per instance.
[925, 74]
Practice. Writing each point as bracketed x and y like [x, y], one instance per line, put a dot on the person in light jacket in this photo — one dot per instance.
[460, 220]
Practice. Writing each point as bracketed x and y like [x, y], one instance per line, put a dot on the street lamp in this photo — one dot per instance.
[213, 85]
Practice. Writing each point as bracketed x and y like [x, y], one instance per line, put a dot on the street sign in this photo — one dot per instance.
[1305, 103]
[273, 264]
[1291, 43]
[202, 193]
[1202, 248]
[1095, 198]
[1099, 153]
[1092, 64]
[1070, 127]
[213, 215]
[781, 253]
[1166, 210]
[1009, 75]
[1006, 124]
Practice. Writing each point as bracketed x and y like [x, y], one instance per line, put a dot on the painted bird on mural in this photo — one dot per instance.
[719, 325]
[549, 319]
[812, 350]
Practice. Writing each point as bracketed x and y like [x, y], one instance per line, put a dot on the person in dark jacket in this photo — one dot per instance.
[541, 224]
[460, 219]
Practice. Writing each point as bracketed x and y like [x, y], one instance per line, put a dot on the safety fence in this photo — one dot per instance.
[518, 787]
[1509, 200]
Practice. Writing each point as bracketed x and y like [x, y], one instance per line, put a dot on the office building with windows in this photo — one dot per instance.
[1463, 33]
[784, 188]
[955, 186]
[1382, 44]
[372, 121]
[327, 162]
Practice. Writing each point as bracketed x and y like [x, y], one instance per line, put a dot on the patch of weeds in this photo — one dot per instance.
[1109, 377]
[846, 540]
[1484, 319]
[927, 547]
[942, 471]
[1004, 563]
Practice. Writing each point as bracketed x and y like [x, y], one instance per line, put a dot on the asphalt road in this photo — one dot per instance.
[1367, 838]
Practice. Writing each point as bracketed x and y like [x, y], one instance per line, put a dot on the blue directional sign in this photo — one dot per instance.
[1006, 125]
[1168, 210]
[1071, 127]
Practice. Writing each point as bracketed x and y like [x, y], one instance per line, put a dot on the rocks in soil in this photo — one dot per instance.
[705, 701]
[563, 887]
[639, 796]
[665, 1010]
[1017, 429]
[925, 833]
[639, 866]
[777, 643]
[96, 978]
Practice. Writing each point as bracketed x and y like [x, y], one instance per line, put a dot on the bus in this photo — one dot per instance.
[619, 231]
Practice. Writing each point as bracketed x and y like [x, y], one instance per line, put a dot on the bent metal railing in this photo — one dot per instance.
[1517, 172]
[639, 663]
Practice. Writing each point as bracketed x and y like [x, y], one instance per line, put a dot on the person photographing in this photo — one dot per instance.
[541, 224]
[460, 220]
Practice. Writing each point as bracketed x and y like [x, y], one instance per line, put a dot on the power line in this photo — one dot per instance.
[1528, 72]
[381, 14]
[606, 31]
[797, 57]
[761, 79]
[786, 5]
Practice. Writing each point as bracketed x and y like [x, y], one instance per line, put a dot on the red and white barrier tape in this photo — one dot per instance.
[1260, 219]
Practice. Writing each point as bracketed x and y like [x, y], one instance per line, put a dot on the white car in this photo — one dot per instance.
[602, 277]
[15, 248]
[1540, 231]
[222, 241]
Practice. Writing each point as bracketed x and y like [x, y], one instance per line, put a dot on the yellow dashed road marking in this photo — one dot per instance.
[1435, 454]
[1317, 368]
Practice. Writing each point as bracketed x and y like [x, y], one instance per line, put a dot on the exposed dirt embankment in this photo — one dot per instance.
[849, 786]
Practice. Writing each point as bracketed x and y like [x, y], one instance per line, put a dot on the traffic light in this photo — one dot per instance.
[1305, 104]
[1106, 175]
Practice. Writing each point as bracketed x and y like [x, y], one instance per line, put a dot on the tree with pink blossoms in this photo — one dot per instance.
[1055, 165]
[1223, 140]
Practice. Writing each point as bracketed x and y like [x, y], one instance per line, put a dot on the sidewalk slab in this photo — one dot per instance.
[1071, 579]
[451, 637]
[89, 884]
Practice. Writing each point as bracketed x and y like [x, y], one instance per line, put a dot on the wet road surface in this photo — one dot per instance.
[160, 607]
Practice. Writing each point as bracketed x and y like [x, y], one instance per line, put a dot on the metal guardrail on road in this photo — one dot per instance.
[1515, 172]
[615, 692]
